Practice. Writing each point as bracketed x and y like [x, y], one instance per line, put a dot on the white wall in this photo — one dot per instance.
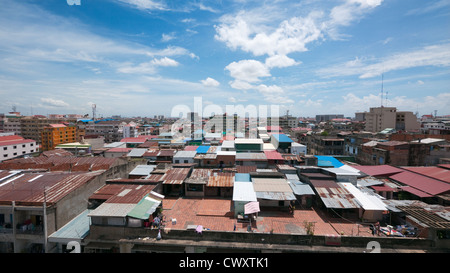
[16, 150]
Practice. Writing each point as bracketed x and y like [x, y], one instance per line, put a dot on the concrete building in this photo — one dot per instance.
[55, 134]
[247, 145]
[380, 118]
[15, 146]
[32, 126]
[42, 204]
[111, 130]
[320, 118]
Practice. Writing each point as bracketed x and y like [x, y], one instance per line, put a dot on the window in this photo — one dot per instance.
[5, 148]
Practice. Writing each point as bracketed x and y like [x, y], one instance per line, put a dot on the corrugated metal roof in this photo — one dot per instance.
[422, 183]
[76, 229]
[300, 188]
[185, 154]
[271, 185]
[28, 188]
[221, 180]
[333, 195]
[167, 152]
[370, 181]
[416, 192]
[137, 152]
[122, 193]
[144, 208]
[433, 172]
[242, 177]
[245, 169]
[281, 196]
[176, 175]
[251, 157]
[367, 202]
[112, 210]
[273, 155]
[378, 170]
[243, 191]
[142, 170]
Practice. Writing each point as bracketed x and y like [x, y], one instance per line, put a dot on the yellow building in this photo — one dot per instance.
[56, 134]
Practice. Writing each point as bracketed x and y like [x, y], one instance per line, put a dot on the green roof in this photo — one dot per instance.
[144, 208]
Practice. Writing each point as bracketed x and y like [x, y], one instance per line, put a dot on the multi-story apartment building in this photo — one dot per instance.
[10, 123]
[32, 126]
[325, 145]
[14, 146]
[380, 118]
[111, 130]
[56, 134]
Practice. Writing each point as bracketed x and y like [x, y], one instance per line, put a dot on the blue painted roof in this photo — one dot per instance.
[242, 177]
[328, 161]
[77, 228]
[282, 138]
[202, 149]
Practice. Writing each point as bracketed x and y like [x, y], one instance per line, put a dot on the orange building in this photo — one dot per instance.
[56, 134]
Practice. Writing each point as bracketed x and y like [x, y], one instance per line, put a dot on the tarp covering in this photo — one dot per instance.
[251, 207]
[144, 208]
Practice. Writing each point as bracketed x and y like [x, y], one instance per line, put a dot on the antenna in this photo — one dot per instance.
[94, 108]
[381, 90]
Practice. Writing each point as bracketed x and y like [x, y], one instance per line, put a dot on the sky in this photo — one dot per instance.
[150, 57]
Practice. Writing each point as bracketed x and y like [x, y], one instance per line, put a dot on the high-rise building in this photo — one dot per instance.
[55, 134]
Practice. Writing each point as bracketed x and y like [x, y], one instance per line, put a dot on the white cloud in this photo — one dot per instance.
[352, 103]
[291, 35]
[248, 70]
[434, 55]
[167, 37]
[241, 85]
[164, 62]
[210, 82]
[145, 4]
[54, 102]
[280, 61]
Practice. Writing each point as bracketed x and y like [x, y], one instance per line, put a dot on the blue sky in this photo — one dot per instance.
[143, 57]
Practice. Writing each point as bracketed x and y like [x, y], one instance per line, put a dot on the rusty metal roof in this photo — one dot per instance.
[28, 188]
[246, 169]
[122, 193]
[221, 180]
[176, 175]
[59, 163]
[333, 195]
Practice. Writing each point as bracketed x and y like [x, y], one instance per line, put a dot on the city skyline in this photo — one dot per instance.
[142, 58]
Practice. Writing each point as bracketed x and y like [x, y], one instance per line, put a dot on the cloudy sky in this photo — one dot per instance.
[143, 57]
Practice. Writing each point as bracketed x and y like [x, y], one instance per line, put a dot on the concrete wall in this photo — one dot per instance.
[114, 234]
